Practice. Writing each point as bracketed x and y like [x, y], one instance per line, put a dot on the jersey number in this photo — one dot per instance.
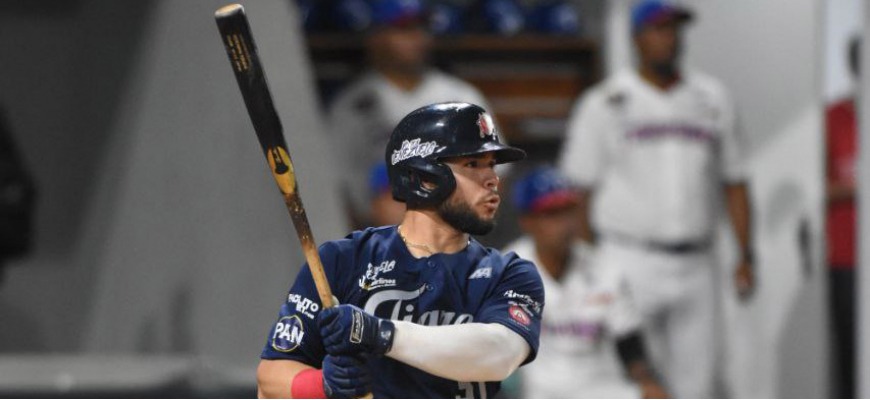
[471, 390]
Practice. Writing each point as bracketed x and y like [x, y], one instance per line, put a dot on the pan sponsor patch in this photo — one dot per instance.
[288, 334]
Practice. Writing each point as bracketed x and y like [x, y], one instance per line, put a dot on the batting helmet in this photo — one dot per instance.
[428, 135]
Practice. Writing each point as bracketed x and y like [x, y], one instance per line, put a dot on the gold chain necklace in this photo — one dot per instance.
[424, 247]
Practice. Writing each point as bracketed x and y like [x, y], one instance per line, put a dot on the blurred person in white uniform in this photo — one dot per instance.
[384, 209]
[591, 344]
[400, 79]
[656, 150]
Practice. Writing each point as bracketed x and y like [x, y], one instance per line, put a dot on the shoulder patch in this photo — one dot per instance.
[288, 334]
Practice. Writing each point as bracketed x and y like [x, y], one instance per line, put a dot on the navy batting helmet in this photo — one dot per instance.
[428, 135]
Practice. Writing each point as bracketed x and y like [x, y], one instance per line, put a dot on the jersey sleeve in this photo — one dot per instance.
[517, 303]
[294, 335]
[733, 142]
[584, 152]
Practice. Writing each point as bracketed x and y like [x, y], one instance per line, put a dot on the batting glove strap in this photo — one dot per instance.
[386, 334]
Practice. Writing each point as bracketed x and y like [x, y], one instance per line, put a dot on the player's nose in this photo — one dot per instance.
[491, 179]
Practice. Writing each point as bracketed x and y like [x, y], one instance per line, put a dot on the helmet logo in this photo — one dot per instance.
[413, 148]
[487, 128]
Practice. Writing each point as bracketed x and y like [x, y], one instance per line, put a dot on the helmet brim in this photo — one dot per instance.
[503, 153]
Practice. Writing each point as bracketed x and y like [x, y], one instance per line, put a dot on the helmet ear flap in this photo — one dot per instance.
[423, 183]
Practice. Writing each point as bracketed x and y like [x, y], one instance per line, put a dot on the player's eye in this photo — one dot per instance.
[472, 164]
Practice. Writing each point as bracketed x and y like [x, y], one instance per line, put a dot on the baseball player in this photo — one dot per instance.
[400, 80]
[426, 311]
[653, 148]
[591, 345]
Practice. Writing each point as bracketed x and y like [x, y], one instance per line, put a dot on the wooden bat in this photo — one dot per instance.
[239, 43]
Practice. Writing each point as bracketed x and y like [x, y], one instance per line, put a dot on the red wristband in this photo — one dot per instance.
[308, 384]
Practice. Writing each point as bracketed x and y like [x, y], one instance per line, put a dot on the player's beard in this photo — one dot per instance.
[462, 217]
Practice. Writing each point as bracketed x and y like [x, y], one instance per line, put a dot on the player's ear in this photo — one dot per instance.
[428, 185]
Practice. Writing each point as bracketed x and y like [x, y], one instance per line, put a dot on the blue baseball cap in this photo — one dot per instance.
[394, 13]
[379, 181]
[649, 11]
[544, 189]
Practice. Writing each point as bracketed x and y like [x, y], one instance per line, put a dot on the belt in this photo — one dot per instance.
[678, 247]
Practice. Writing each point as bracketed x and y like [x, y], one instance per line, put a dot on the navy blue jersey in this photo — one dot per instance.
[374, 270]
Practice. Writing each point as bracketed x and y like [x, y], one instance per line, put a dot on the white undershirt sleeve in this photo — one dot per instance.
[473, 352]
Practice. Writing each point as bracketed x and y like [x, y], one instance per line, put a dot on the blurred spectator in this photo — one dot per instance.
[842, 135]
[654, 148]
[384, 209]
[589, 318]
[399, 81]
[17, 200]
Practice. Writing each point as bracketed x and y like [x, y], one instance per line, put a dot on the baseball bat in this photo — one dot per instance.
[239, 43]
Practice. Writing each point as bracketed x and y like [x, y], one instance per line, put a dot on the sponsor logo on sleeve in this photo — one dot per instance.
[303, 305]
[518, 314]
[527, 301]
[288, 334]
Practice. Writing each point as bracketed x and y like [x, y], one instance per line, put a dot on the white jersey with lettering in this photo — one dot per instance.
[586, 310]
[656, 159]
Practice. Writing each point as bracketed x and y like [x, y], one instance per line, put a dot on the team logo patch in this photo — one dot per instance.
[288, 334]
[518, 314]
[487, 128]
[372, 280]
[413, 148]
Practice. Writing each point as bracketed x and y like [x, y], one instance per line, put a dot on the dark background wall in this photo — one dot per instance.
[65, 69]
[160, 229]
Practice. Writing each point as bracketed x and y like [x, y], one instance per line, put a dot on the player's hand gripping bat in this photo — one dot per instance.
[239, 42]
